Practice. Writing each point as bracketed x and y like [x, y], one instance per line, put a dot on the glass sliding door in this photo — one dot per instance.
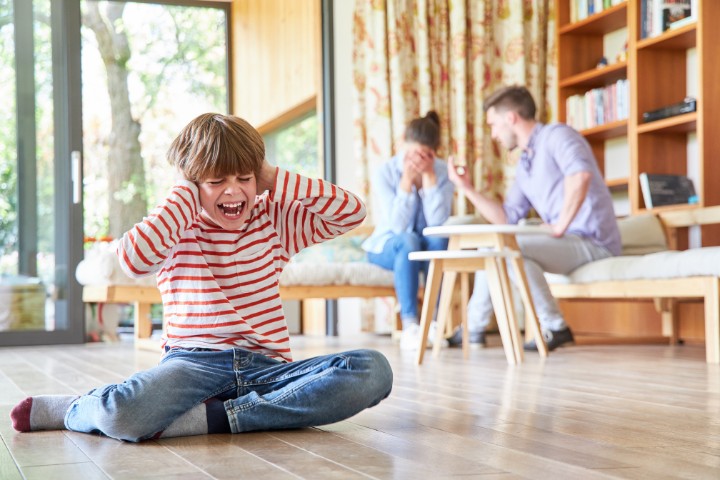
[148, 68]
[40, 147]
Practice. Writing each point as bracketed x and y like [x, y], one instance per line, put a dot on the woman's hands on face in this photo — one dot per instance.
[422, 159]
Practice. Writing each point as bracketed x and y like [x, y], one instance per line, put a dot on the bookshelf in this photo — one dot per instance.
[581, 45]
[661, 69]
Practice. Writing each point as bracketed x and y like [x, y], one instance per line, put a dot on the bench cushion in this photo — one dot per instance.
[340, 261]
[668, 264]
[641, 234]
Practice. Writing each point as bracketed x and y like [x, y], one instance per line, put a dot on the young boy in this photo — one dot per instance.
[218, 244]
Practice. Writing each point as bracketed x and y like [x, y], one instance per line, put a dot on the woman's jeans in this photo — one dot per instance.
[407, 272]
[259, 393]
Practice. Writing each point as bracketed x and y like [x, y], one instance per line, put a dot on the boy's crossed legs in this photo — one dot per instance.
[198, 392]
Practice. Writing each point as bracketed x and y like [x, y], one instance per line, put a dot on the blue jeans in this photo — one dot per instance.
[407, 272]
[259, 393]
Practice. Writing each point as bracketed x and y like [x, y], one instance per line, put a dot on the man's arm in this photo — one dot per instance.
[489, 208]
[576, 188]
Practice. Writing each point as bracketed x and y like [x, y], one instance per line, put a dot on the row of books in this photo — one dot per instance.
[581, 9]
[599, 106]
[657, 16]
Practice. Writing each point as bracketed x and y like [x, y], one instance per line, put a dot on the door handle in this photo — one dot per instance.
[76, 175]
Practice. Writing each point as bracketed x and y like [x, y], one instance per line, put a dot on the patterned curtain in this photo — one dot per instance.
[411, 56]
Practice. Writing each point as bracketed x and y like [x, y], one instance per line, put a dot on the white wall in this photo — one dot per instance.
[347, 168]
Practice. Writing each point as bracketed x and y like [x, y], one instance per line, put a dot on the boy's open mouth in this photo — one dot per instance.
[232, 209]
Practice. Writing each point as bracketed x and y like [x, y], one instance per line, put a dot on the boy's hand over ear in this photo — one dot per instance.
[266, 178]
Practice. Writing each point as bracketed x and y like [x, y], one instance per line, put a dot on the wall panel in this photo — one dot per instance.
[276, 58]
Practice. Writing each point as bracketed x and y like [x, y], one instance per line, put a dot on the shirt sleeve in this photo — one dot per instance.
[144, 248]
[402, 205]
[306, 211]
[571, 151]
[437, 200]
[516, 204]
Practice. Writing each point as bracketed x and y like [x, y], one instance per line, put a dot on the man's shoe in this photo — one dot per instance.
[553, 339]
[477, 339]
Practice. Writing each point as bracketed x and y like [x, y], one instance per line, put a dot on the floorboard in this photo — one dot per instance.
[585, 412]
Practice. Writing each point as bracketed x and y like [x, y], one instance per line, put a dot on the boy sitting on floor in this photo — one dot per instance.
[218, 245]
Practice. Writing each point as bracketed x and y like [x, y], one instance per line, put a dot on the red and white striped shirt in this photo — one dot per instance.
[220, 287]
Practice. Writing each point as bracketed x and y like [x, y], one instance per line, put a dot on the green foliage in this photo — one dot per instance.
[8, 134]
[295, 147]
[176, 70]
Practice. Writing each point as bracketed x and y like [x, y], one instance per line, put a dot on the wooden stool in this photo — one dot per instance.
[444, 267]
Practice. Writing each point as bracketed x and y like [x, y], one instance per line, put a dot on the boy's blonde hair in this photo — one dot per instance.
[214, 145]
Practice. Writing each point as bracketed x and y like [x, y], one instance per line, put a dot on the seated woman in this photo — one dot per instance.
[411, 191]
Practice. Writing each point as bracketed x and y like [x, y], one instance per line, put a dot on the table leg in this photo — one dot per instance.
[444, 306]
[499, 305]
[532, 324]
[517, 343]
[432, 287]
[464, 299]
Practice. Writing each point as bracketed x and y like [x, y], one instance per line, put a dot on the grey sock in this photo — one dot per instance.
[208, 417]
[192, 422]
[43, 412]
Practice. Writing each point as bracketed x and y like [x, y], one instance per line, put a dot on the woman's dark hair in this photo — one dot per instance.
[425, 130]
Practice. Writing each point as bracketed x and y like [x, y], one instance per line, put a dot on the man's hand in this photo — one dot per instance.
[575, 190]
[459, 175]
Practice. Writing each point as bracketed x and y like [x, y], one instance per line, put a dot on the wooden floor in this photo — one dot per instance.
[624, 411]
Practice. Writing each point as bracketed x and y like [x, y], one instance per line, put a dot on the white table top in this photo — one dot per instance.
[449, 230]
[461, 254]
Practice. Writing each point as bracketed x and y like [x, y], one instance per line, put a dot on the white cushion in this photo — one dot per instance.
[341, 273]
[668, 264]
[641, 234]
[101, 267]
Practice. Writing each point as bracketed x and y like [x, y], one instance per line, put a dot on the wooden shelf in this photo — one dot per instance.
[608, 20]
[617, 183]
[660, 72]
[678, 39]
[597, 77]
[685, 123]
[606, 131]
[669, 208]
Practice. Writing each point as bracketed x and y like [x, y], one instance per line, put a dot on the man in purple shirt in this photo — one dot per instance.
[558, 177]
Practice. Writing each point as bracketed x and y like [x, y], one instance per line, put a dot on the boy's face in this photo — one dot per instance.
[228, 200]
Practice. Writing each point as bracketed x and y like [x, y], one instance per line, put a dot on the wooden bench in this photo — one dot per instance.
[142, 297]
[665, 291]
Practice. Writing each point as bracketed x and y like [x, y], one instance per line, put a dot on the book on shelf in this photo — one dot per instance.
[662, 189]
[581, 9]
[658, 16]
[598, 106]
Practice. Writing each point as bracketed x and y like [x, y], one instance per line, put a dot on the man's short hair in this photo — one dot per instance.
[515, 98]
[214, 145]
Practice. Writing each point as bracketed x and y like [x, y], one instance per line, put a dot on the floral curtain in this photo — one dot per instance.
[411, 56]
